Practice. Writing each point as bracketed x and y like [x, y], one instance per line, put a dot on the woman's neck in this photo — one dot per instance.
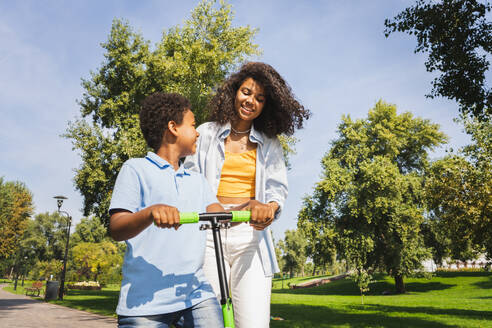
[242, 126]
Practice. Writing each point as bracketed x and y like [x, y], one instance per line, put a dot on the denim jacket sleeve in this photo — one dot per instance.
[276, 186]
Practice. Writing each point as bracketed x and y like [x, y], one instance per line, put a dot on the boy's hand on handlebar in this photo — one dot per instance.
[165, 216]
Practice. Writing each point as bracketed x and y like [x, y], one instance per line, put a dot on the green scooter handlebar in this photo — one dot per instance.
[233, 216]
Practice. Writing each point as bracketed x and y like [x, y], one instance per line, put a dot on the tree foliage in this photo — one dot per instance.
[15, 209]
[89, 230]
[371, 190]
[459, 194]
[294, 251]
[93, 259]
[44, 270]
[458, 38]
[318, 230]
[190, 59]
[45, 237]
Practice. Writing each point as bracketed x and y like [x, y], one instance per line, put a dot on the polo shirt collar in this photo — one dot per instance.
[254, 135]
[163, 164]
[157, 160]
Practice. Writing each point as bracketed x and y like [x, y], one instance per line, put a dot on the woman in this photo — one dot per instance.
[241, 157]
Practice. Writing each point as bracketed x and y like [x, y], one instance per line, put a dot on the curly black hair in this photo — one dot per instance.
[282, 113]
[157, 110]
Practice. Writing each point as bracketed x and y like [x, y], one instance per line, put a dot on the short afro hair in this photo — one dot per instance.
[157, 111]
[282, 113]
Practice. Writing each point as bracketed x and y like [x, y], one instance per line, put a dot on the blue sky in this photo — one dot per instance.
[332, 53]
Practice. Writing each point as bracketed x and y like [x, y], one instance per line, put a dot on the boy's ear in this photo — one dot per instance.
[172, 127]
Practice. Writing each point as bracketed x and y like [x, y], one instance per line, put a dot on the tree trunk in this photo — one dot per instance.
[399, 284]
[314, 270]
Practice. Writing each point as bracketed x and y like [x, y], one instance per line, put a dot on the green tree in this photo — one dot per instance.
[94, 259]
[15, 209]
[357, 248]
[459, 195]
[434, 238]
[372, 189]
[89, 230]
[190, 60]
[294, 251]
[44, 270]
[319, 232]
[451, 192]
[479, 153]
[458, 39]
[45, 235]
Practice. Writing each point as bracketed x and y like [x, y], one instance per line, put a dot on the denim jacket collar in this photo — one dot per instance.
[254, 135]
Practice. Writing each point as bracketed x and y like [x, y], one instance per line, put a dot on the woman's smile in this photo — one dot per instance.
[246, 110]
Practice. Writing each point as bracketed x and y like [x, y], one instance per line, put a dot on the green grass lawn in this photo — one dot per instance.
[461, 299]
[453, 299]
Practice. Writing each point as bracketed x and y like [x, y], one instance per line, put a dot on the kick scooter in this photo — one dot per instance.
[217, 220]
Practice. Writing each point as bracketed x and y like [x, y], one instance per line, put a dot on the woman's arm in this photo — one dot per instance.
[276, 187]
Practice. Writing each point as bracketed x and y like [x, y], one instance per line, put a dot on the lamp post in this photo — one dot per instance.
[16, 263]
[59, 202]
[25, 269]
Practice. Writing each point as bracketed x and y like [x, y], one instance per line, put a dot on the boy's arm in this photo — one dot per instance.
[127, 219]
[124, 224]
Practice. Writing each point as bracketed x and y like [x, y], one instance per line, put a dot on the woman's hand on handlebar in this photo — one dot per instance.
[262, 215]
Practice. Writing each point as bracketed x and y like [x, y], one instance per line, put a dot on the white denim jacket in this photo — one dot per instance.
[271, 175]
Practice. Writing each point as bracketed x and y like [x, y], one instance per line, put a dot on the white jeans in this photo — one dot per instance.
[250, 289]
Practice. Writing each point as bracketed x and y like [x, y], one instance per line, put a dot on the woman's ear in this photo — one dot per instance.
[172, 127]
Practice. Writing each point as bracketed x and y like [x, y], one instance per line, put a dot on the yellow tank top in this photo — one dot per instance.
[238, 175]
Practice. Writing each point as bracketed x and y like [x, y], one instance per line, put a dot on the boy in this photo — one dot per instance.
[163, 283]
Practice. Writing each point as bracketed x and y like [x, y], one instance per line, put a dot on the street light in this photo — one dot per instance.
[25, 269]
[59, 202]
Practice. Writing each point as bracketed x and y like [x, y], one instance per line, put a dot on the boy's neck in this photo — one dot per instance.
[170, 154]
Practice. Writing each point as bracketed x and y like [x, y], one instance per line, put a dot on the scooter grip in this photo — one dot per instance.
[188, 217]
[241, 216]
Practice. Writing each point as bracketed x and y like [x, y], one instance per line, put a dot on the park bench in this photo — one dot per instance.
[35, 289]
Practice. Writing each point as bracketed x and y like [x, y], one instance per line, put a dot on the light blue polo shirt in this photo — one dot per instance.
[162, 269]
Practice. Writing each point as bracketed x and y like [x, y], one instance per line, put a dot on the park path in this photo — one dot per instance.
[18, 311]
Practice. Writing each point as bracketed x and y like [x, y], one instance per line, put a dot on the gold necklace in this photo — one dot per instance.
[240, 132]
